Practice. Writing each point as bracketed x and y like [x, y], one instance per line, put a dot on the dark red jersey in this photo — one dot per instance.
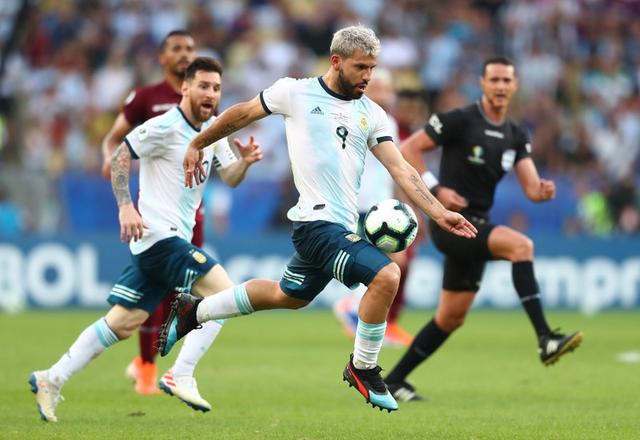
[146, 102]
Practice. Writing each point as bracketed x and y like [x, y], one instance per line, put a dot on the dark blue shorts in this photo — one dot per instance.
[326, 250]
[170, 264]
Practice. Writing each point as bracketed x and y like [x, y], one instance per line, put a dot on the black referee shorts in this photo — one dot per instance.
[464, 258]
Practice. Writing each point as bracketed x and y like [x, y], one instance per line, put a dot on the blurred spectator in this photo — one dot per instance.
[11, 219]
[578, 66]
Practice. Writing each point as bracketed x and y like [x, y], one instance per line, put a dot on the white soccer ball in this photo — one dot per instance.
[391, 225]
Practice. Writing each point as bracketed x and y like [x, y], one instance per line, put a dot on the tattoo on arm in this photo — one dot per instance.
[120, 166]
[228, 129]
[210, 136]
[418, 186]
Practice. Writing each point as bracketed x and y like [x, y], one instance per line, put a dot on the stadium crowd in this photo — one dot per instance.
[578, 63]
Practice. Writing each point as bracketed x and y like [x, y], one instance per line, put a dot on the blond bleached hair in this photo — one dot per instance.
[347, 40]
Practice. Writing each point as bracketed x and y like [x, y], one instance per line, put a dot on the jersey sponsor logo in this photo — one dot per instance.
[364, 124]
[198, 256]
[494, 133]
[527, 147]
[508, 158]
[143, 132]
[354, 238]
[342, 118]
[317, 111]
[476, 155]
[434, 121]
[158, 108]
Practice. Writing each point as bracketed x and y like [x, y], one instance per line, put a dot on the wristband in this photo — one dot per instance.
[430, 180]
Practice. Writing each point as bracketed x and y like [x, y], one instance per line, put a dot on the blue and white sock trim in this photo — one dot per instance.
[371, 332]
[106, 336]
[242, 299]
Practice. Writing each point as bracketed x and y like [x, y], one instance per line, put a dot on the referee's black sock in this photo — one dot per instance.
[527, 287]
[425, 343]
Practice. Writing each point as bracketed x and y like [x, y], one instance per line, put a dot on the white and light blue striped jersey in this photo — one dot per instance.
[167, 207]
[328, 136]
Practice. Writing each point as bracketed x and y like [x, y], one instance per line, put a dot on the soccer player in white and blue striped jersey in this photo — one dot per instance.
[330, 128]
[159, 234]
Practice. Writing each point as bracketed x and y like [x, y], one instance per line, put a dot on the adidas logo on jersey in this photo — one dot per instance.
[317, 111]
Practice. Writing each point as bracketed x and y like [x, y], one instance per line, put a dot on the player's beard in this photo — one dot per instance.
[349, 90]
[200, 113]
[180, 67]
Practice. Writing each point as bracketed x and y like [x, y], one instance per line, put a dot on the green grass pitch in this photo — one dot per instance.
[277, 375]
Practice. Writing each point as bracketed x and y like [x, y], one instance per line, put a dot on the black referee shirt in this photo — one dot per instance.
[476, 153]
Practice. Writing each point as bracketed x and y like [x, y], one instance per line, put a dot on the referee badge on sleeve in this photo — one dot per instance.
[508, 157]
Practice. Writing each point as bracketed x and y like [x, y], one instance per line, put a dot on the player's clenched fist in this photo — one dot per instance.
[547, 189]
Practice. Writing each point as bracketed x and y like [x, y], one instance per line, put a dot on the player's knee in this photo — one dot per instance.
[388, 279]
[449, 322]
[125, 322]
[523, 250]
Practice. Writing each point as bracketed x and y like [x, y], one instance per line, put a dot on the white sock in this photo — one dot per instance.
[196, 344]
[225, 304]
[91, 342]
[368, 343]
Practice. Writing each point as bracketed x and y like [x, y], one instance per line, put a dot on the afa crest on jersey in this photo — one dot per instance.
[353, 238]
[198, 256]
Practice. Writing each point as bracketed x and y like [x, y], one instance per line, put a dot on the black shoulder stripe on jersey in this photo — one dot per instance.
[133, 153]
[264, 104]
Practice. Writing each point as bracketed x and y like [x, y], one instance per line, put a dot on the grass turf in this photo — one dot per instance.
[277, 375]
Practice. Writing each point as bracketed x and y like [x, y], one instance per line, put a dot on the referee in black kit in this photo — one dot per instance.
[480, 145]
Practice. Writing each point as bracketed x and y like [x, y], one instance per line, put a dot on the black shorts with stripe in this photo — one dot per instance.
[465, 258]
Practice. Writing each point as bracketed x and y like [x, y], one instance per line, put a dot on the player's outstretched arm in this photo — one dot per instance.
[116, 135]
[250, 153]
[230, 121]
[535, 188]
[412, 149]
[407, 178]
[131, 224]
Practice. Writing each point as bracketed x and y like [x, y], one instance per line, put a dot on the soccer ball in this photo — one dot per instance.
[391, 225]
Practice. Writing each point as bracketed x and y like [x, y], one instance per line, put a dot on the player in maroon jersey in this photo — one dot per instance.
[176, 52]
